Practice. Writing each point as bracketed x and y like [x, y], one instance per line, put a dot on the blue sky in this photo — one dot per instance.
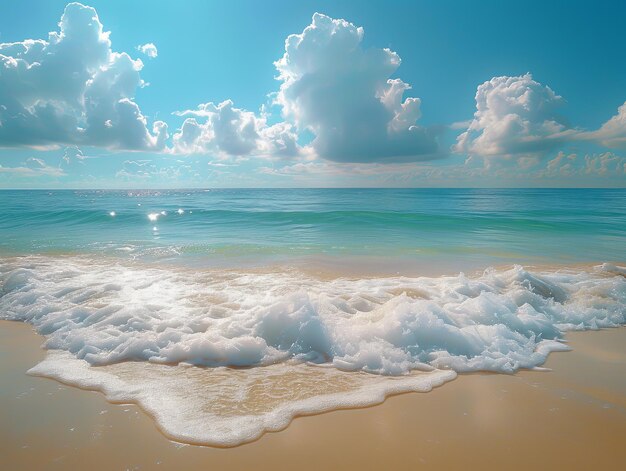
[208, 94]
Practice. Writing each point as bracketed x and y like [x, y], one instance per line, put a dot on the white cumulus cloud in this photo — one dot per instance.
[73, 89]
[342, 92]
[612, 134]
[230, 131]
[515, 116]
[149, 49]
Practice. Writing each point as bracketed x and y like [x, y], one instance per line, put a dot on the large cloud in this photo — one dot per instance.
[73, 89]
[342, 92]
[515, 116]
[230, 131]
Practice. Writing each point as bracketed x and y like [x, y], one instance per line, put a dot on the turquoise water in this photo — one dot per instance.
[257, 226]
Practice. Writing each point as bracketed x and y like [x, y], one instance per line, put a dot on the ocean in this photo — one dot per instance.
[226, 313]
[457, 227]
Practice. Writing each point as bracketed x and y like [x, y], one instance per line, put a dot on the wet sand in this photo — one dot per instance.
[572, 417]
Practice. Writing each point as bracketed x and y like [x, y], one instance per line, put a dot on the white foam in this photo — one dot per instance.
[98, 313]
[227, 407]
[611, 268]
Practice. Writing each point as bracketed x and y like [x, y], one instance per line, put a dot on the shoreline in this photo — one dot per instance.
[586, 386]
[327, 267]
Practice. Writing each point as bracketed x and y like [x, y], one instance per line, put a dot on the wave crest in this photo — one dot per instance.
[105, 312]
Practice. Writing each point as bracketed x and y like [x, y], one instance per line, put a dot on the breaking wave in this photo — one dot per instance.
[307, 345]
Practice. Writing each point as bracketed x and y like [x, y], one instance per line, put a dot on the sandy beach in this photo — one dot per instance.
[573, 416]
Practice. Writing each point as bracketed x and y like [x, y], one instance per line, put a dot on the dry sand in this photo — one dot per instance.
[573, 417]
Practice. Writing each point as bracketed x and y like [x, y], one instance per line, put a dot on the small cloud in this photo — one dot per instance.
[35, 163]
[73, 160]
[460, 124]
[33, 167]
[149, 49]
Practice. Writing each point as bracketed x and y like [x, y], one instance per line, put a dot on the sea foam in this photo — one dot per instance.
[119, 328]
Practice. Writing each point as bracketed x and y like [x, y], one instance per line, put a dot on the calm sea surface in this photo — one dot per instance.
[258, 226]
